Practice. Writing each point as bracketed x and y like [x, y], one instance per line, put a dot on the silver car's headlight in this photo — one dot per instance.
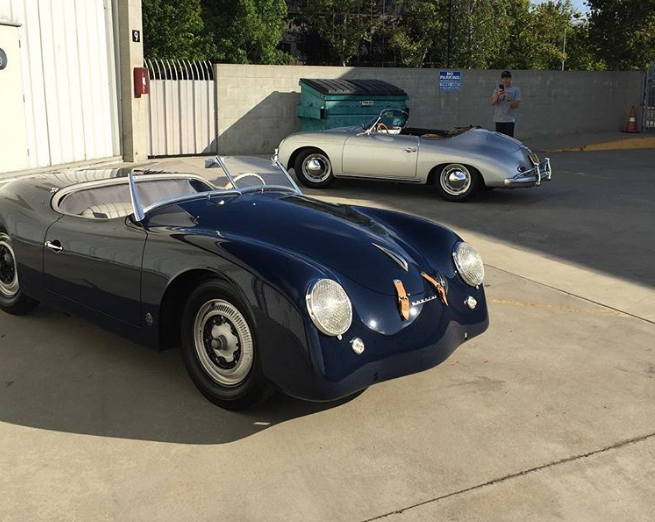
[329, 307]
[469, 264]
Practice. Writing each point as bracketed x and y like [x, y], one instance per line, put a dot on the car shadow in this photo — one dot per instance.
[595, 199]
[59, 373]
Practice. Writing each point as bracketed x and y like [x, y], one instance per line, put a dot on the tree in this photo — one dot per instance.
[247, 31]
[623, 32]
[581, 55]
[342, 24]
[481, 33]
[517, 55]
[419, 30]
[551, 23]
[174, 29]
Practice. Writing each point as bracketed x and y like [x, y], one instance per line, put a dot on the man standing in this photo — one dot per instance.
[505, 99]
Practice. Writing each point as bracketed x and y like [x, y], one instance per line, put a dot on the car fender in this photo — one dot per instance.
[272, 282]
[493, 171]
[330, 143]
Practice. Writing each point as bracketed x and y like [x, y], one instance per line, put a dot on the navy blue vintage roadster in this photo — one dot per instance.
[262, 287]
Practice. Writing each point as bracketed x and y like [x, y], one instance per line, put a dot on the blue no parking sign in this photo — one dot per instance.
[450, 81]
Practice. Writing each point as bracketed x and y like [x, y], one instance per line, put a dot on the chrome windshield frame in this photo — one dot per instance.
[218, 160]
[369, 130]
[139, 214]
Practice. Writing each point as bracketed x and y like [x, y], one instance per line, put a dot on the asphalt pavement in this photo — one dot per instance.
[549, 415]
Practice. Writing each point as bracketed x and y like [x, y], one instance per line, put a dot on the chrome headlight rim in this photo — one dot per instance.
[315, 315]
[463, 272]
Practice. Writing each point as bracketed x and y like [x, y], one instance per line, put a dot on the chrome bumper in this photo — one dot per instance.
[533, 177]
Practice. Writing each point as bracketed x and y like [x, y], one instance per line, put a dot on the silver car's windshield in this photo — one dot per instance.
[394, 119]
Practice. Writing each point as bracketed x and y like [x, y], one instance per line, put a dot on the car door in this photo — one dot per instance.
[381, 155]
[96, 263]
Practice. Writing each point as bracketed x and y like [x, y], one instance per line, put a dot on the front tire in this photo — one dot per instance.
[219, 348]
[457, 182]
[314, 168]
[12, 298]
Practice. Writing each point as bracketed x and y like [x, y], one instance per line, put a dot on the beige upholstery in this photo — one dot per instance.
[108, 211]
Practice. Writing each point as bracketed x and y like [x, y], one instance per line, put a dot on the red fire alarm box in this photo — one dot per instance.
[141, 81]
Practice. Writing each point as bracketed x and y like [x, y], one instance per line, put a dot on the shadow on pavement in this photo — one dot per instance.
[62, 374]
[597, 211]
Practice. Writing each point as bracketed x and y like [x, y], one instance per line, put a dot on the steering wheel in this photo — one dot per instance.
[382, 127]
[244, 175]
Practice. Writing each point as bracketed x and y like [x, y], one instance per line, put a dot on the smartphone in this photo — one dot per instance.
[501, 87]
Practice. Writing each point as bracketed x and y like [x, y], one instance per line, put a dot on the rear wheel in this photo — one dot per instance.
[12, 299]
[457, 182]
[313, 168]
[219, 348]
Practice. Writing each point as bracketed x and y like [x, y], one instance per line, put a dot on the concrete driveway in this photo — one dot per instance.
[550, 415]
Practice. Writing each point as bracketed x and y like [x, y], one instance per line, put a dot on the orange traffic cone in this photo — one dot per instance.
[631, 126]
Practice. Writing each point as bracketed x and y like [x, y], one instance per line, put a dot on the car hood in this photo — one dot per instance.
[338, 237]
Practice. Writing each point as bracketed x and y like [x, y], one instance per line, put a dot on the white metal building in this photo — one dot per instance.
[58, 83]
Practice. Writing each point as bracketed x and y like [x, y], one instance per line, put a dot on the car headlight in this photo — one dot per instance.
[469, 264]
[329, 307]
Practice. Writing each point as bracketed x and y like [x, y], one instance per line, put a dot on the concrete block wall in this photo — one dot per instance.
[256, 104]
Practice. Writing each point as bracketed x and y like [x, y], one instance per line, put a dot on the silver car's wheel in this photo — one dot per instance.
[455, 179]
[223, 342]
[316, 168]
[313, 168]
[9, 286]
[456, 182]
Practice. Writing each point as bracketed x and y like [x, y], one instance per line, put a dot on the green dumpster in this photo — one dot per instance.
[326, 104]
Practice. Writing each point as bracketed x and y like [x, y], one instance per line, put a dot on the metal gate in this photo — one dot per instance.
[649, 100]
[181, 108]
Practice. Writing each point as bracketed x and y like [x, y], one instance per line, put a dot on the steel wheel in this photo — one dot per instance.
[220, 348]
[12, 298]
[457, 182]
[313, 168]
[316, 168]
[223, 342]
[455, 179]
[9, 286]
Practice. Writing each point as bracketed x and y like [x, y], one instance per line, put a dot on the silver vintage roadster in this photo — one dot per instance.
[458, 162]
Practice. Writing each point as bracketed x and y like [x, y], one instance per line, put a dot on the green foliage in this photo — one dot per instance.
[174, 29]
[623, 32]
[343, 24]
[247, 31]
[551, 24]
[499, 34]
[419, 30]
[481, 33]
[581, 54]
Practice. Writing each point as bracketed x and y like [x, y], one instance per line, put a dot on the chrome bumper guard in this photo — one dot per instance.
[533, 177]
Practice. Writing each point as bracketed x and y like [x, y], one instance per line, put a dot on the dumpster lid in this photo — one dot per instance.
[352, 86]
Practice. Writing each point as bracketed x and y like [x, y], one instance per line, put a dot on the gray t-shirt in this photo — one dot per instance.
[503, 111]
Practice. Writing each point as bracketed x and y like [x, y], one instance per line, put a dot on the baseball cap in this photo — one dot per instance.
[505, 74]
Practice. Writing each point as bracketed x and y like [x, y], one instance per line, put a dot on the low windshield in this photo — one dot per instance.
[392, 118]
[245, 172]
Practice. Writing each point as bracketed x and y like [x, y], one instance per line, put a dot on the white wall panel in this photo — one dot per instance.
[69, 79]
[13, 138]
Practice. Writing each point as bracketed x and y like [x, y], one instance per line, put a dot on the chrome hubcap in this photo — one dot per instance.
[316, 167]
[455, 179]
[8, 273]
[223, 342]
